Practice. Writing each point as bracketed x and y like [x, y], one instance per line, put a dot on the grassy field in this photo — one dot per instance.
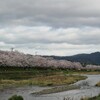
[11, 77]
[87, 72]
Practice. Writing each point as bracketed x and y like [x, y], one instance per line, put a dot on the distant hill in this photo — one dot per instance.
[93, 58]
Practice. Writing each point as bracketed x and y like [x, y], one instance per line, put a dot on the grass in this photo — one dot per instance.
[92, 98]
[11, 77]
[54, 80]
[51, 80]
[89, 72]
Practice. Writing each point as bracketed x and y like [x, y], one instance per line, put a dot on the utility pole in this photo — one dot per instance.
[12, 49]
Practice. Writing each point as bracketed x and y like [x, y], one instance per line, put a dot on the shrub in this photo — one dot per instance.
[15, 97]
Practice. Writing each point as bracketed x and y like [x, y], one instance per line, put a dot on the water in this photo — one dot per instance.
[87, 89]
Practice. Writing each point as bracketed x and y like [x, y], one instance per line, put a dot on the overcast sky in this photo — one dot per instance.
[50, 27]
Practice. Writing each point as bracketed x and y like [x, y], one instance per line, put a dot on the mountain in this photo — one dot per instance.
[93, 58]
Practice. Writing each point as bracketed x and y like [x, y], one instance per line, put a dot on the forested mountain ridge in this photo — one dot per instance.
[93, 58]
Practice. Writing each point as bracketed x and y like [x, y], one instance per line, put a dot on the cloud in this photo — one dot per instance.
[58, 27]
[54, 13]
[50, 40]
[44, 34]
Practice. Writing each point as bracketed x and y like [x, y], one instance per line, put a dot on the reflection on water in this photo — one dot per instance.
[87, 89]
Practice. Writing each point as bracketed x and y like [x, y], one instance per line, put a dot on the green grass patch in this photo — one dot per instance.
[87, 72]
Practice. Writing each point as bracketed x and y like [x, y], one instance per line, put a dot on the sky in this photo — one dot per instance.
[50, 27]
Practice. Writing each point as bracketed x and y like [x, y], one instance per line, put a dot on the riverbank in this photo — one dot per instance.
[12, 77]
[92, 98]
[85, 91]
[52, 80]
[56, 89]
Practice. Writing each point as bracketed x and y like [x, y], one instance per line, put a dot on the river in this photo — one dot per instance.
[87, 89]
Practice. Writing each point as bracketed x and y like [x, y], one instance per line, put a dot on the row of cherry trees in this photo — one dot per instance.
[17, 59]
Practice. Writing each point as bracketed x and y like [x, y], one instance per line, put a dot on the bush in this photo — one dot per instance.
[15, 97]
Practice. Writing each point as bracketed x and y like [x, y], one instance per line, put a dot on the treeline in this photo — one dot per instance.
[18, 59]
